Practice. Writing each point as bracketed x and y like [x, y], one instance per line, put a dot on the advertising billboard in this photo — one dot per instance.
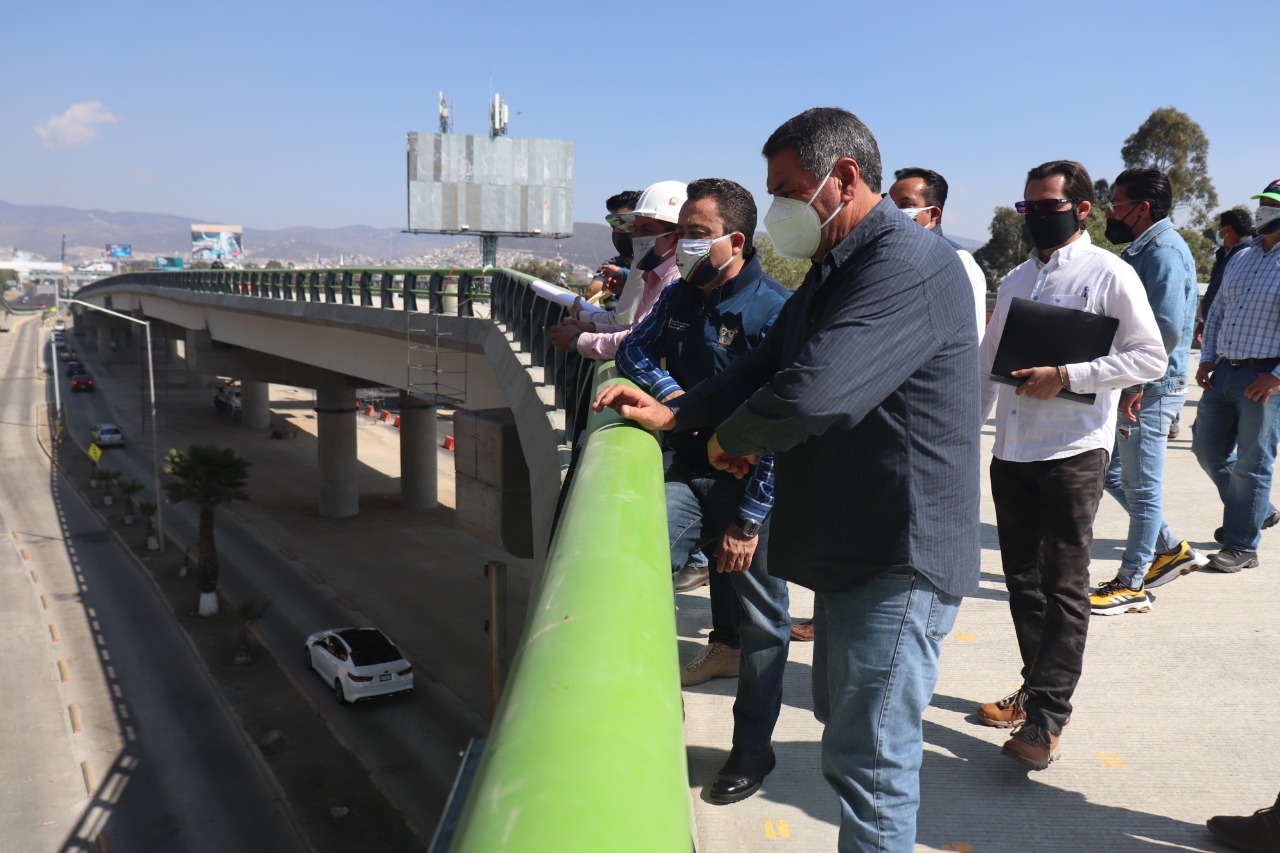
[465, 184]
[217, 242]
[169, 262]
[119, 250]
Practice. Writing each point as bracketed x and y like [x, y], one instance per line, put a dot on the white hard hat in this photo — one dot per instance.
[662, 200]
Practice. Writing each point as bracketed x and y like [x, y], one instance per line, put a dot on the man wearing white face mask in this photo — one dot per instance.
[866, 393]
[596, 333]
[721, 309]
[1240, 374]
[921, 194]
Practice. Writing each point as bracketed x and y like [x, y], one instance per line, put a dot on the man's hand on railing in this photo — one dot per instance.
[636, 405]
[738, 466]
[565, 333]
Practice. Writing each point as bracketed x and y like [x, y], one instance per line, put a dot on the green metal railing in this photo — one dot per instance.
[593, 701]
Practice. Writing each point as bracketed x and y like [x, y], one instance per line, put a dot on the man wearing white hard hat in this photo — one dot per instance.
[596, 333]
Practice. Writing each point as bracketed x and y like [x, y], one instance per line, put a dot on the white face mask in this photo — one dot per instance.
[1264, 214]
[793, 225]
[912, 212]
[641, 246]
[690, 257]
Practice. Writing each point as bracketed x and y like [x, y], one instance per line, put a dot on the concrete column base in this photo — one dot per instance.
[336, 449]
[255, 404]
[418, 466]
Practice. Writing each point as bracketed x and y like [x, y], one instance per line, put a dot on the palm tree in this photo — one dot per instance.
[129, 488]
[147, 510]
[108, 477]
[239, 620]
[209, 477]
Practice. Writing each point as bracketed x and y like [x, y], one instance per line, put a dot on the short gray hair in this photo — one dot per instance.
[823, 135]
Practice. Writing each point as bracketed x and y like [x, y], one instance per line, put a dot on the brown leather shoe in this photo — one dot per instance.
[691, 577]
[1259, 831]
[716, 660]
[1006, 713]
[802, 630]
[1032, 745]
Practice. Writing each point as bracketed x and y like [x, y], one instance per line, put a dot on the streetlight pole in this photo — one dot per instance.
[151, 381]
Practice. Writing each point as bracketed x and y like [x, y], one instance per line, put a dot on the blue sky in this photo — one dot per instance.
[289, 113]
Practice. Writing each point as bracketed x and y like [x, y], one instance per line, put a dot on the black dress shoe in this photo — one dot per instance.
[691, 577]
[741, 776]
[1272, 519]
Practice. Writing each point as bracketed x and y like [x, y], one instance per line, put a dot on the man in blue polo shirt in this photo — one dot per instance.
[718, 310]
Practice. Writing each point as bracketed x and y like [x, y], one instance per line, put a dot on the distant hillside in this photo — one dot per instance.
[38, 229]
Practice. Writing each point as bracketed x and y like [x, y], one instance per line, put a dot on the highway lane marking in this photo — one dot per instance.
[958, 847]
[35, 576]
[63, 672]
[782, 830]
[90, 785]
[25, 555]
[74, 713]
[44, 601]
[964, 637]
[53, 632]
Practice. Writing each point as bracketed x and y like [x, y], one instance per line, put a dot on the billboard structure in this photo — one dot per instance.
[119, 250]
[217, 242]
[169, 262]
[492, 187]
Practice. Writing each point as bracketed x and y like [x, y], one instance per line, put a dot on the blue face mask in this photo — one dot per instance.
[693, 257]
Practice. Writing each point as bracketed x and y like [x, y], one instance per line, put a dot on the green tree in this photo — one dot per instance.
[541, 268]
[240, 620]
[147, 510]
[128, 488]
[1007, 247]
[789, 272]
[209, 477]
[1169, 140]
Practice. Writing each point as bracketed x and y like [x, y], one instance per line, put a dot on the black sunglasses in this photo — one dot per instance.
[1042, 205]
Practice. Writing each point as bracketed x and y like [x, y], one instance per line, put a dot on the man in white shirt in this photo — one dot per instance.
[1051, 453]
[921, 195]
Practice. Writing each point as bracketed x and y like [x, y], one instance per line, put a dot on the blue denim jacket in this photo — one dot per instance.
[1168, 272]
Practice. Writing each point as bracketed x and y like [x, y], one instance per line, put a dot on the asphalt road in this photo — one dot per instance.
[168, 766]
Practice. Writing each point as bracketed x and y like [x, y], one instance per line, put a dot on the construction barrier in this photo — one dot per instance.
[448, 442]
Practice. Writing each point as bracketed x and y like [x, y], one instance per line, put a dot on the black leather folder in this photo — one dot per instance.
[1039, 335]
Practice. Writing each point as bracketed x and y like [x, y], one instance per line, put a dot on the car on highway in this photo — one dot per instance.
[106, 435]
[358, 663]
[81, 382]
[74, 367]
[59, 325]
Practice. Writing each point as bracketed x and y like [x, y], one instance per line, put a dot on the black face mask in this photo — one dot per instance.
[622, 242]
[1049, 230]
[1118, 231]
[652, 259]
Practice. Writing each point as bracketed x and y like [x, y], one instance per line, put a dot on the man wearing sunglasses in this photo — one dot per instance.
[1050, 454]
[1141, 199]
[921, 194]
[719, 310]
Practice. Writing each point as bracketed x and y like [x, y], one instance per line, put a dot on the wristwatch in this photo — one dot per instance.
[750, 529]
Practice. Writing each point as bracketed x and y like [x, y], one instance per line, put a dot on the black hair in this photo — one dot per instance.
[1240, 221]
[935, 186]
[823, 135]
[736, 207]
[1143, 183]
[1076, 182]
[626, 199]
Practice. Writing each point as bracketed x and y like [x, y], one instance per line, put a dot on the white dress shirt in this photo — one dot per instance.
[978, 280]
[1081, 276]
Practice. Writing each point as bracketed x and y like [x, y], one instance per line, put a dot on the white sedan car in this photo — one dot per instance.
[359, 663]
[106, 435]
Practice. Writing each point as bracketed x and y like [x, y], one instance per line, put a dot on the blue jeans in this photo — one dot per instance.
[1135, 479]
[1227, 421]
[875, 664]
[700, 507]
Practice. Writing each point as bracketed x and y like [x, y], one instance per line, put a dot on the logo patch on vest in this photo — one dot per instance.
[726, 336]
[676, 325]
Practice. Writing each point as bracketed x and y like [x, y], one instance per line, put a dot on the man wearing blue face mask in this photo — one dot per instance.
[1240, 374]
[719, 310]
[865, 391]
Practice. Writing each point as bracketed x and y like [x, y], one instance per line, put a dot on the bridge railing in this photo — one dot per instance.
[567, 725]
[499, 294]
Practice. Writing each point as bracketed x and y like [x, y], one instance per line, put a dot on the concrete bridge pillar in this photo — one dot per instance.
[190, 344]
[255, 404]
[105, 341]
[336, 449]
[418, 467]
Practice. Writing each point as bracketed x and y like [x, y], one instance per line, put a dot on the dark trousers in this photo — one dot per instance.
[1044, 515]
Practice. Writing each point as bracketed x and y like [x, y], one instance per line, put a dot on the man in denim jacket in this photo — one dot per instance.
[1139, 215]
